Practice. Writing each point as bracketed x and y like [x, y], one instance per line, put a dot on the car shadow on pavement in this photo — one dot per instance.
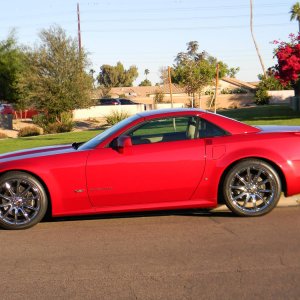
[131, 215]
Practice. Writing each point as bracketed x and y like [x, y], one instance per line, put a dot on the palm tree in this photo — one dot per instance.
[254, 41]
[92, 72]
[295, 13]
[192, 47]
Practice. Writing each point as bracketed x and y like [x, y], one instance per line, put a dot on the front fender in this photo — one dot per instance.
[63, 175]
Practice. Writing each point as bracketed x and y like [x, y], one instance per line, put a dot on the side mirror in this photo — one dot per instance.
[124, 143]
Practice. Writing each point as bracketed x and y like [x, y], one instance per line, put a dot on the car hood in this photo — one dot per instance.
[278, 128]
[36, 152]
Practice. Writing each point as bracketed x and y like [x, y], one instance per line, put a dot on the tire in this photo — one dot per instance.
[23, 201]
[251, 188]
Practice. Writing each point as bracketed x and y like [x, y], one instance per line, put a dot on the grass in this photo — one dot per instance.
[264, 115]
[260, 115]
[8, 145]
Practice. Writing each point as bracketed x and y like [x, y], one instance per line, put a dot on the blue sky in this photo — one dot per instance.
[150, 33]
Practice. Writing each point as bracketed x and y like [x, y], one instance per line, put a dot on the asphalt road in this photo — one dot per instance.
[155, 256]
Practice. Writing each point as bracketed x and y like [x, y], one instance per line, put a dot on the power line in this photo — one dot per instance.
[103, 10]
[182, 28]
[132, 20]
[181, 9]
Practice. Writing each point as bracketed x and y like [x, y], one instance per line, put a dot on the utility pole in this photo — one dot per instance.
[171, 95]
[217, 83]
[170, 85]
[79, 32]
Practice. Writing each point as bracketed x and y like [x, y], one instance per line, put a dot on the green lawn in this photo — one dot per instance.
[269, 114]
[8, 145]
[264, 115]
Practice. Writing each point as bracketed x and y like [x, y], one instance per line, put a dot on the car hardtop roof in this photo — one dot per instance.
[230, 125]
[167, 111]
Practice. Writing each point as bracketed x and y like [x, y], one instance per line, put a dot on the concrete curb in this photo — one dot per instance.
[289, 201]
[283, 202]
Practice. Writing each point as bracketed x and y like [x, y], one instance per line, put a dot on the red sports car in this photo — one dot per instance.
[164, 159]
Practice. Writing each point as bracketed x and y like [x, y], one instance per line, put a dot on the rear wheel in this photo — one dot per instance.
[251, 188]
[23, 200]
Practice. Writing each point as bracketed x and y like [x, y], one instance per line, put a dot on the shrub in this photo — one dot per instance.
[57, 127]
[158, 96]
[271, 83]
[209, 92]
[54, 125]
[3, 135]
[94, 120]
[261, 97]
[116, 117]
[233, 91]
[29, 131]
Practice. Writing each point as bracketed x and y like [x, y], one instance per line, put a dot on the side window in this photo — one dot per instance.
[207, 129]
[164, 130]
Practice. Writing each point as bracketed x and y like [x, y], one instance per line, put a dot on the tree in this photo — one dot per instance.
[254, 41]
[192, 48]
[271, 83]
[233, 71]
[287, 69]
[12, 62]
[195, 70]
[295, 13]
[54, 80]
[145, 82]
[117, 76]
[146, 72]
[92, 72]
[158, 96]
[164, 75]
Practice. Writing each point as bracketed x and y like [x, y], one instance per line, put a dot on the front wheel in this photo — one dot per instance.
[23, 200]
[251, 188]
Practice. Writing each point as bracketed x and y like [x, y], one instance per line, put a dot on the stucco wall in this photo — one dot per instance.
[223, 100]
[105, 110]
[230, 100]
[281, 96]
[295, 103]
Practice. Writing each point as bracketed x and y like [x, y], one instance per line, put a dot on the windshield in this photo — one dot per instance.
[105, 134]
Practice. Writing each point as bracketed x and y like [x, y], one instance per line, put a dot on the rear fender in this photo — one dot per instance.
[217, 167]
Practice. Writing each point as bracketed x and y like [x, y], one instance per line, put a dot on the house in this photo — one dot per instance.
[143, 94]
[233, 83]
[146, 94]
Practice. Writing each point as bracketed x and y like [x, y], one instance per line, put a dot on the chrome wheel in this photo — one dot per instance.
[22, 201]
[252, 188]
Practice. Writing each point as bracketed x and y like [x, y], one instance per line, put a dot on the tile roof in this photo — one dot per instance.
[239, 83]
[141, 91]
[144, 91]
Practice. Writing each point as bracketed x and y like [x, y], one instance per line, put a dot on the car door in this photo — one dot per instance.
[164, 165]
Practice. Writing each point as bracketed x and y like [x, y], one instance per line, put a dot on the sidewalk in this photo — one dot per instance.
[283, 202]
[289, 201]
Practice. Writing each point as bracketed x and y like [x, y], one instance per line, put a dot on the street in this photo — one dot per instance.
[172, 255]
